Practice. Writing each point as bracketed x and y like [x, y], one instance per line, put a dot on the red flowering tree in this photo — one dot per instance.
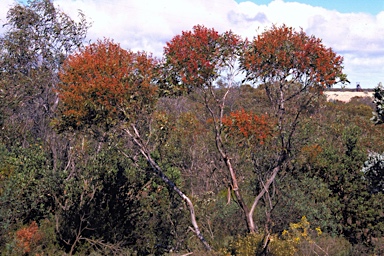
[283, 55]
[198, 58]
[104, 84]
[103, 87]
[203, 61]
[293, 68]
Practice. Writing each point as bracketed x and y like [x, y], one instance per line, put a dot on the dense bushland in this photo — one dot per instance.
[222, 147]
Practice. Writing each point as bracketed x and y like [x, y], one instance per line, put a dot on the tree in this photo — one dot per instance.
[378, 115]
[38, 38]
[202, 61]
[105, 87]
[293, 69]
[244, 125]
[197, 59]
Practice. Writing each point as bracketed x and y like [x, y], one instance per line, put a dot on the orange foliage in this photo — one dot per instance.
[196, 56]
[28, 236]
[248, 125]
[282, 54]
[104, 83]
[311, 152]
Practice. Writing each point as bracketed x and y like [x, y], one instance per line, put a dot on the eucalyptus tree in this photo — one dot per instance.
[38, 37]
[104, 90]
[290, 66]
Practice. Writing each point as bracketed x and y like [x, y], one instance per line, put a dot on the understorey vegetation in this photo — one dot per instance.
[223, 146]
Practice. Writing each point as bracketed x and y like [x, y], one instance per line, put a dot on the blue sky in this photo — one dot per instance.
[352, 28]
[344, 6]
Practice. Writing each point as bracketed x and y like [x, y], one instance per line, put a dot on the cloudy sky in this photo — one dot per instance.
[353, 28]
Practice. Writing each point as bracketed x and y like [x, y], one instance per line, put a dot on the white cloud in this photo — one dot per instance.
[4, 7]
[358, 37]
[149, 24]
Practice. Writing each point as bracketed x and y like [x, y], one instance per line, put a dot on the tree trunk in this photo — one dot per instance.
[156, 168]
[267, 184]
[235, 186]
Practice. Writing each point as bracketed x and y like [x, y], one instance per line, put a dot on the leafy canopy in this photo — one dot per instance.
[194, 58]
[37, 39]
[284, 55]
[104, 84]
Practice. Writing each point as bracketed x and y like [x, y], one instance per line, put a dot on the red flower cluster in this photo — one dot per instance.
[248, 125]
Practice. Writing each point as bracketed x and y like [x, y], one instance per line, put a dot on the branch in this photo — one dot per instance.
[265, 188]
[158, 171]
[276, 169]
[114, 248]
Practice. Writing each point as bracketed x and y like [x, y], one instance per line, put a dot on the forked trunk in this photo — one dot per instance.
[235, 186]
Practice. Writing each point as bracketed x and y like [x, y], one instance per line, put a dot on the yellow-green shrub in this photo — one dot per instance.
[290, 239]
[300, 239]
[247, 245]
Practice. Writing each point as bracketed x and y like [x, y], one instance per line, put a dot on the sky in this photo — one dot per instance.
[352, 28]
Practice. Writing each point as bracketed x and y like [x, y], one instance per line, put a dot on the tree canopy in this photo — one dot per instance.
[290, 57]
[38, 38]
[104, 84]
[196, 59]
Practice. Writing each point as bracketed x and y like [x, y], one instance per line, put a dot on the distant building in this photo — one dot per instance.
[358, 87]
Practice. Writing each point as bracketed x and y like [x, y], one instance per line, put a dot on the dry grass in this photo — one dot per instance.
[346, 96]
